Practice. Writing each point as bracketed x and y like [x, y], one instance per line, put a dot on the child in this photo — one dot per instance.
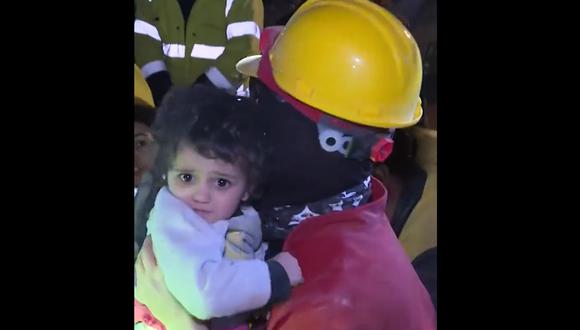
[211, 157]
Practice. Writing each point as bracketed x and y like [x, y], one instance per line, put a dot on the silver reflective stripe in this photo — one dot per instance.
[208, 52]
[242, 29]
[135, 190]
[218, 79]
[142, 27]
[228, 6]
[243, 91]
[152, 68]
[174, 50]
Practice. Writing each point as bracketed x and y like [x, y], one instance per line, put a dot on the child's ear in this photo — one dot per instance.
[245, 196]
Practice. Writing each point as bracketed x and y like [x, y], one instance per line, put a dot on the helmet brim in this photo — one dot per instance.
[249, 65]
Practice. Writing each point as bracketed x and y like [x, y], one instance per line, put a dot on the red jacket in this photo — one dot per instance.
[356, 275]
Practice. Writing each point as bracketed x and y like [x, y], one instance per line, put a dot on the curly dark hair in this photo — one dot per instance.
[217, 125]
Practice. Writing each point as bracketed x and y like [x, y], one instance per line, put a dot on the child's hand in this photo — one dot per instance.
[291, 267]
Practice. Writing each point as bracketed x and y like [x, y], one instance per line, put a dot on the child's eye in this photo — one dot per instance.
[185, 177]
[222, 183]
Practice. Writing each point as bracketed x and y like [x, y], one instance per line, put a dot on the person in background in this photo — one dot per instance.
[180, 42]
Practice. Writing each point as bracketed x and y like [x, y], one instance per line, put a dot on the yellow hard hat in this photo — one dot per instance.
[351, 59]
[142, 91]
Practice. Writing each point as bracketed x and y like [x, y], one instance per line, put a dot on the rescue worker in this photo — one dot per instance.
[141, 90]
[369, 76]
[181, 42]
[419, 233]
[331, 85]
[144, 149]
[410, 175]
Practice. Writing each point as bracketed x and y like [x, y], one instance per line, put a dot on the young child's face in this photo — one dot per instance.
[211, 187]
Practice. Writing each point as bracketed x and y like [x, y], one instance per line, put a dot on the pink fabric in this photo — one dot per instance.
[143, 314]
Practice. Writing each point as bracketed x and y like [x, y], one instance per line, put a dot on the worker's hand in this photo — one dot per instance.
[153, 293]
